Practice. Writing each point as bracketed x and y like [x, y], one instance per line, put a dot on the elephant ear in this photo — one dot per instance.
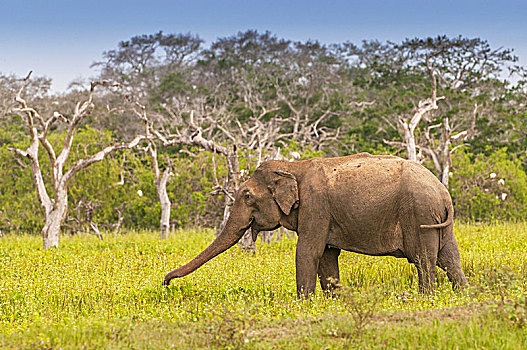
[285, 191]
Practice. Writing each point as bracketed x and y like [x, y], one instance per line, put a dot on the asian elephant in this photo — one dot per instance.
[368, 204]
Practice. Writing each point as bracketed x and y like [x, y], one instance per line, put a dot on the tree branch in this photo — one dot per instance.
[81, 110]
[99, 156]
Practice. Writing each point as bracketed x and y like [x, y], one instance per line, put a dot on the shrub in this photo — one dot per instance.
[489, 188]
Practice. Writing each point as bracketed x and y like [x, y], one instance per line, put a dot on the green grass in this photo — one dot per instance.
[92, 294]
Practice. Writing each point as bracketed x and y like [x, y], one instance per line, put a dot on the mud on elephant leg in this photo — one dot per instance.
[448, 260]
[328, 269]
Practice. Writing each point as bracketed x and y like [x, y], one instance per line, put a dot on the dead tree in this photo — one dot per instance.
[407, 126]
[193, 136]
[256, 134]
[161, 181]
[308, 114]
[441, 151]
[197, 123]
[161, 177]
[55, 207]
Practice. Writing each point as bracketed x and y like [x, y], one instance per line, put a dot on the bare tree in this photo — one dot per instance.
[37, 88]
[440, 150]
[407, 126]
[193, 136]
[161, 177]
[465, 70]
[306, 84]
[161, 181]
[257, 136]
[55, 207]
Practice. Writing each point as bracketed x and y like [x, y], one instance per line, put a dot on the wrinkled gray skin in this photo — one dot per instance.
[374, 205]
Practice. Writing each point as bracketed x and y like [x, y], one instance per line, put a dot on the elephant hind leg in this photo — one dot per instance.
[426, 258]
[328, 269]
[421, 247]
[426, 272]
[448, 260]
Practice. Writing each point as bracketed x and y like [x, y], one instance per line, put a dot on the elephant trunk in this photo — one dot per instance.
[230, 235]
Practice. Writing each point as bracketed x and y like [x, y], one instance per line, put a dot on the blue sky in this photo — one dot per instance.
[61, 39]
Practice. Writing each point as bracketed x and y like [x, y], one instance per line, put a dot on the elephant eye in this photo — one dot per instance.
[249, 198]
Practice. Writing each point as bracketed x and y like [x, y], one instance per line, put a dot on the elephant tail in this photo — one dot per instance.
[449, 220]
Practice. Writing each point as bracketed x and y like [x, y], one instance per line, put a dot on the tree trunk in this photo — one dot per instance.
[165, 221]
[54, 219]
[247, 243]
[411, 152]
[447, 159]
[161, 187]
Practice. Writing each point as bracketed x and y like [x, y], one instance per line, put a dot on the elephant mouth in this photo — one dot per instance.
[250, 225]
[255, 230]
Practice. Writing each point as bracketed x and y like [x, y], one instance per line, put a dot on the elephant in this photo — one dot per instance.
[378, 205]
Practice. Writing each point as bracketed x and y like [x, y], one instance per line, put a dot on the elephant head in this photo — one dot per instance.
[265, 202]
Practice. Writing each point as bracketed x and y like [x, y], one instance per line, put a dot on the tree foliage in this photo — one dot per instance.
[258, 96]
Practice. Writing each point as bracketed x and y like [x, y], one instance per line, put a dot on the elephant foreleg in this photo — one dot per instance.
[313, 229]
[328, 269]
[307, 261]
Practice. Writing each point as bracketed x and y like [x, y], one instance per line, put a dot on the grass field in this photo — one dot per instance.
[92, 294]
